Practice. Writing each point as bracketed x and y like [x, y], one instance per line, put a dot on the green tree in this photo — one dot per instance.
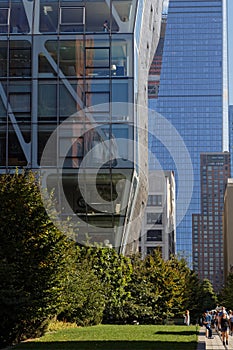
[114, 272]
[157, 288]
[208, 298]
[85, 300]
[193, 297]
[139, 305]
[226, 295]
[36, 260]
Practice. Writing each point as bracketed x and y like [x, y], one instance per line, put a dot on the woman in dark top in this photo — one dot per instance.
[224, 328]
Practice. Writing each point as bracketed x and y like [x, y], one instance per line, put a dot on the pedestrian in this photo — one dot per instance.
[207, 323]
[187, 318]
[231, 321]
[224, 328]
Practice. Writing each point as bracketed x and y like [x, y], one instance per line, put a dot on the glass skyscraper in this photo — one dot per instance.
[192, 97]
[73, 73]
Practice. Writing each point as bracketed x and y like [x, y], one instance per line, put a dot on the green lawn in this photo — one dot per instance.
[112, 337]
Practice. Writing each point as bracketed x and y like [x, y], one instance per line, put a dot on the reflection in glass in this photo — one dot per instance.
[47, 101]
[3, 58]
[4, 20]
[48, 16]
[20, 58]
[15, 154]
[105, 146]
[2, 143]
[18, 19]
[72, 19]
[44, 133]
[97, 61]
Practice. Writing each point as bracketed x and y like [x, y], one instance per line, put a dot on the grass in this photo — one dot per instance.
[117, 337]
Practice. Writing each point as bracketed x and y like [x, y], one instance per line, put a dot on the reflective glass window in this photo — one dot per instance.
[44, 133]
[20, 58]
[47, 101]
[4, 19]
[154, 218]
[48, 16]
[2, 143]
[3, 58]
[72, 19]
[15, 153]
[18, 20]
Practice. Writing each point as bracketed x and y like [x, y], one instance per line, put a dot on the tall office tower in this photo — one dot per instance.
[73, 75]
[208, 252]
[193, 98]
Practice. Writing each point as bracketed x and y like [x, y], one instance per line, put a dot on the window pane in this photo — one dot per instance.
[20, 58]
[72, 15]
[48, 16]
[154, 235]
[97, 57]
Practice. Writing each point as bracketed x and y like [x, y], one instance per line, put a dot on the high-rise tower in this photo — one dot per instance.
[192, 97]
[208, 252]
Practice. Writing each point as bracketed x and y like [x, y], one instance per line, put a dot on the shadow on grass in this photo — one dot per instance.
[107, 345]
[178, 332]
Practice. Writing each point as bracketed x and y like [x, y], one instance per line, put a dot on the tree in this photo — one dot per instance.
[85, 299]
[113, 270]
[193, 297]
[208, 298]
[36, 260]
[157, 288]
[226, 295]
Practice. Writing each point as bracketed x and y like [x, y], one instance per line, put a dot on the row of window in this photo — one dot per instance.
[69, 58]
[109, 146]
[55, 103]
[154, 200]
[66, 16]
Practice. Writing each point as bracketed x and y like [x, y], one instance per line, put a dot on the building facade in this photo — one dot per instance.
[72, 77]
[208, 246]
[156, 65]
[228, 229]
[159, 227]
[231, 135]
[193, 98]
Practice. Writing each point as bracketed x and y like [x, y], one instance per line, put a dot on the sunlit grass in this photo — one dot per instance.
[120, 337]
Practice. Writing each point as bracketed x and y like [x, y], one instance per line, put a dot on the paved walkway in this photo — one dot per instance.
[213, 344]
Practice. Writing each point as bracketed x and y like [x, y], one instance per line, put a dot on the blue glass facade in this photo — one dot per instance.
[191, 95]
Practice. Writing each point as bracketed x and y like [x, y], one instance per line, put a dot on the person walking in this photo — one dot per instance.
[187, 318]
[231, 321]
[207, 323]
[224, 328]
